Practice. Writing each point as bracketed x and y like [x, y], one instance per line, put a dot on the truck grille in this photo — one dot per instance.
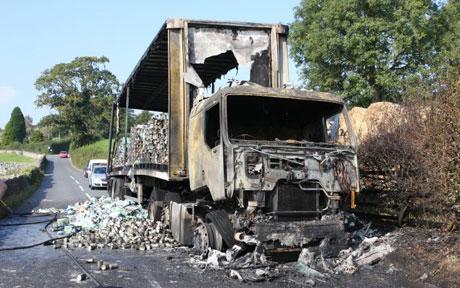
[298, 202]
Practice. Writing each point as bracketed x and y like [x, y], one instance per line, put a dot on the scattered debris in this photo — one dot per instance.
[309, 272]
[82, 277]
[368, 252]
[107, 223]
[47, 211]
[114, 224]
[423, 277]
[239, 263]
[235, 275]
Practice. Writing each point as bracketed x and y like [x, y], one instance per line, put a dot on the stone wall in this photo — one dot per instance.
[15, 189]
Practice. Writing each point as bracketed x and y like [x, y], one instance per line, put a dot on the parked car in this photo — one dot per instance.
[64, 154]
[89, 167]
[98, 177]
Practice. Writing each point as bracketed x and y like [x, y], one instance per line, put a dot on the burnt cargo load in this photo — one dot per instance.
[255, 160]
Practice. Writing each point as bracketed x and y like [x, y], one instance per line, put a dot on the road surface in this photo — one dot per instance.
[43, 266]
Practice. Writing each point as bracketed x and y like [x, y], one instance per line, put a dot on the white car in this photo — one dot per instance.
[90, 166]
[98, 177]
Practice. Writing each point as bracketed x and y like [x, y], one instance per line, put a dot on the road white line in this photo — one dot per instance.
[76, 181]
[81, 188]
[72, 177]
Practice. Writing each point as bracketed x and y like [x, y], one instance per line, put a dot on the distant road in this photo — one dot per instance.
[61, 186]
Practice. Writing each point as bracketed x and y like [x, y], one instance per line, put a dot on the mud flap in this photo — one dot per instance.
[181, 223]
[223, 225]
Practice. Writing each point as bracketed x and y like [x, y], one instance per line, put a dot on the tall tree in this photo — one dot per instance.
[15, 129]
[365, 50]
[29, 125]
[81, 92]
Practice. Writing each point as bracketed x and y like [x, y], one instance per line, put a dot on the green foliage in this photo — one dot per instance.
[81, 156]
[451, 38]
[143, 117]
[51, 126]
[15, 129]
[81, 92]
[131, 120]
[29, 126]
[37, 136]
[41, 147]
[368, 50]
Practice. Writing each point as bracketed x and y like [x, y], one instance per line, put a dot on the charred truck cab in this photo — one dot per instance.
[273, 159]
[252, 161]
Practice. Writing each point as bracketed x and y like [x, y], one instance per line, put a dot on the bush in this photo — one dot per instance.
[37, 136]
[41, 147]
[415, 161]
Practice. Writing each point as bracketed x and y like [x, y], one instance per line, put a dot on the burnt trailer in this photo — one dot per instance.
[255, 158]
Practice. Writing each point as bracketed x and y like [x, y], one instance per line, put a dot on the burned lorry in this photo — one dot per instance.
[254, 158]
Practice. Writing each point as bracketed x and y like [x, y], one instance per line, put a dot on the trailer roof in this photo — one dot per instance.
[254, 89]
[148, 82]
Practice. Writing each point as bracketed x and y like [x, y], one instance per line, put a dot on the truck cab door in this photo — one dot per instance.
[213, 153]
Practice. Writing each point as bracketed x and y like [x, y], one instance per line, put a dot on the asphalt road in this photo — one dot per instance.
[43, 266]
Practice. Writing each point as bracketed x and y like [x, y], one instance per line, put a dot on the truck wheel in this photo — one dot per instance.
[154, 210]
[206, 236]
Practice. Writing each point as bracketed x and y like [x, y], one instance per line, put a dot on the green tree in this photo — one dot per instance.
[450, 56]
[37, 136]
[365, 50]
[81, 92]
[52, 126]
[15, 129]
[29, 126]
[143, 117]
[131, 120]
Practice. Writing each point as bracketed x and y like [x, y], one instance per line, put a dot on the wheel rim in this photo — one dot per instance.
[203, 236]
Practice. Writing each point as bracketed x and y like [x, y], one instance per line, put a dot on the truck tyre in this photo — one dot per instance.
[205, 235]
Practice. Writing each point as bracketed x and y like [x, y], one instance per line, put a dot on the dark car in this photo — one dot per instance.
[64, 154]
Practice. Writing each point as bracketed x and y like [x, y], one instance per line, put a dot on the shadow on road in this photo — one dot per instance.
[15, 235]
[36, 198]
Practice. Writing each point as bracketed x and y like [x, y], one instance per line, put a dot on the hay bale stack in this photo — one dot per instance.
[368, 121]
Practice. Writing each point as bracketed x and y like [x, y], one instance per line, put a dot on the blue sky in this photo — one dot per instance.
[35, 35]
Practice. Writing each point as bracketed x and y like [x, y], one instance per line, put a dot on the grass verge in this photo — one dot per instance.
[81, 156]
[13, 157]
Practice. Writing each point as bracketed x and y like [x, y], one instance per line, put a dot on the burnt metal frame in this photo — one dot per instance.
[174, 33]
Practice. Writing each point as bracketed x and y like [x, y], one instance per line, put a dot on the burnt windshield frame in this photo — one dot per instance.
[290, 104]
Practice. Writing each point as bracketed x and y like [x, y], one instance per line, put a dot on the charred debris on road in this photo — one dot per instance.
[103, 223]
